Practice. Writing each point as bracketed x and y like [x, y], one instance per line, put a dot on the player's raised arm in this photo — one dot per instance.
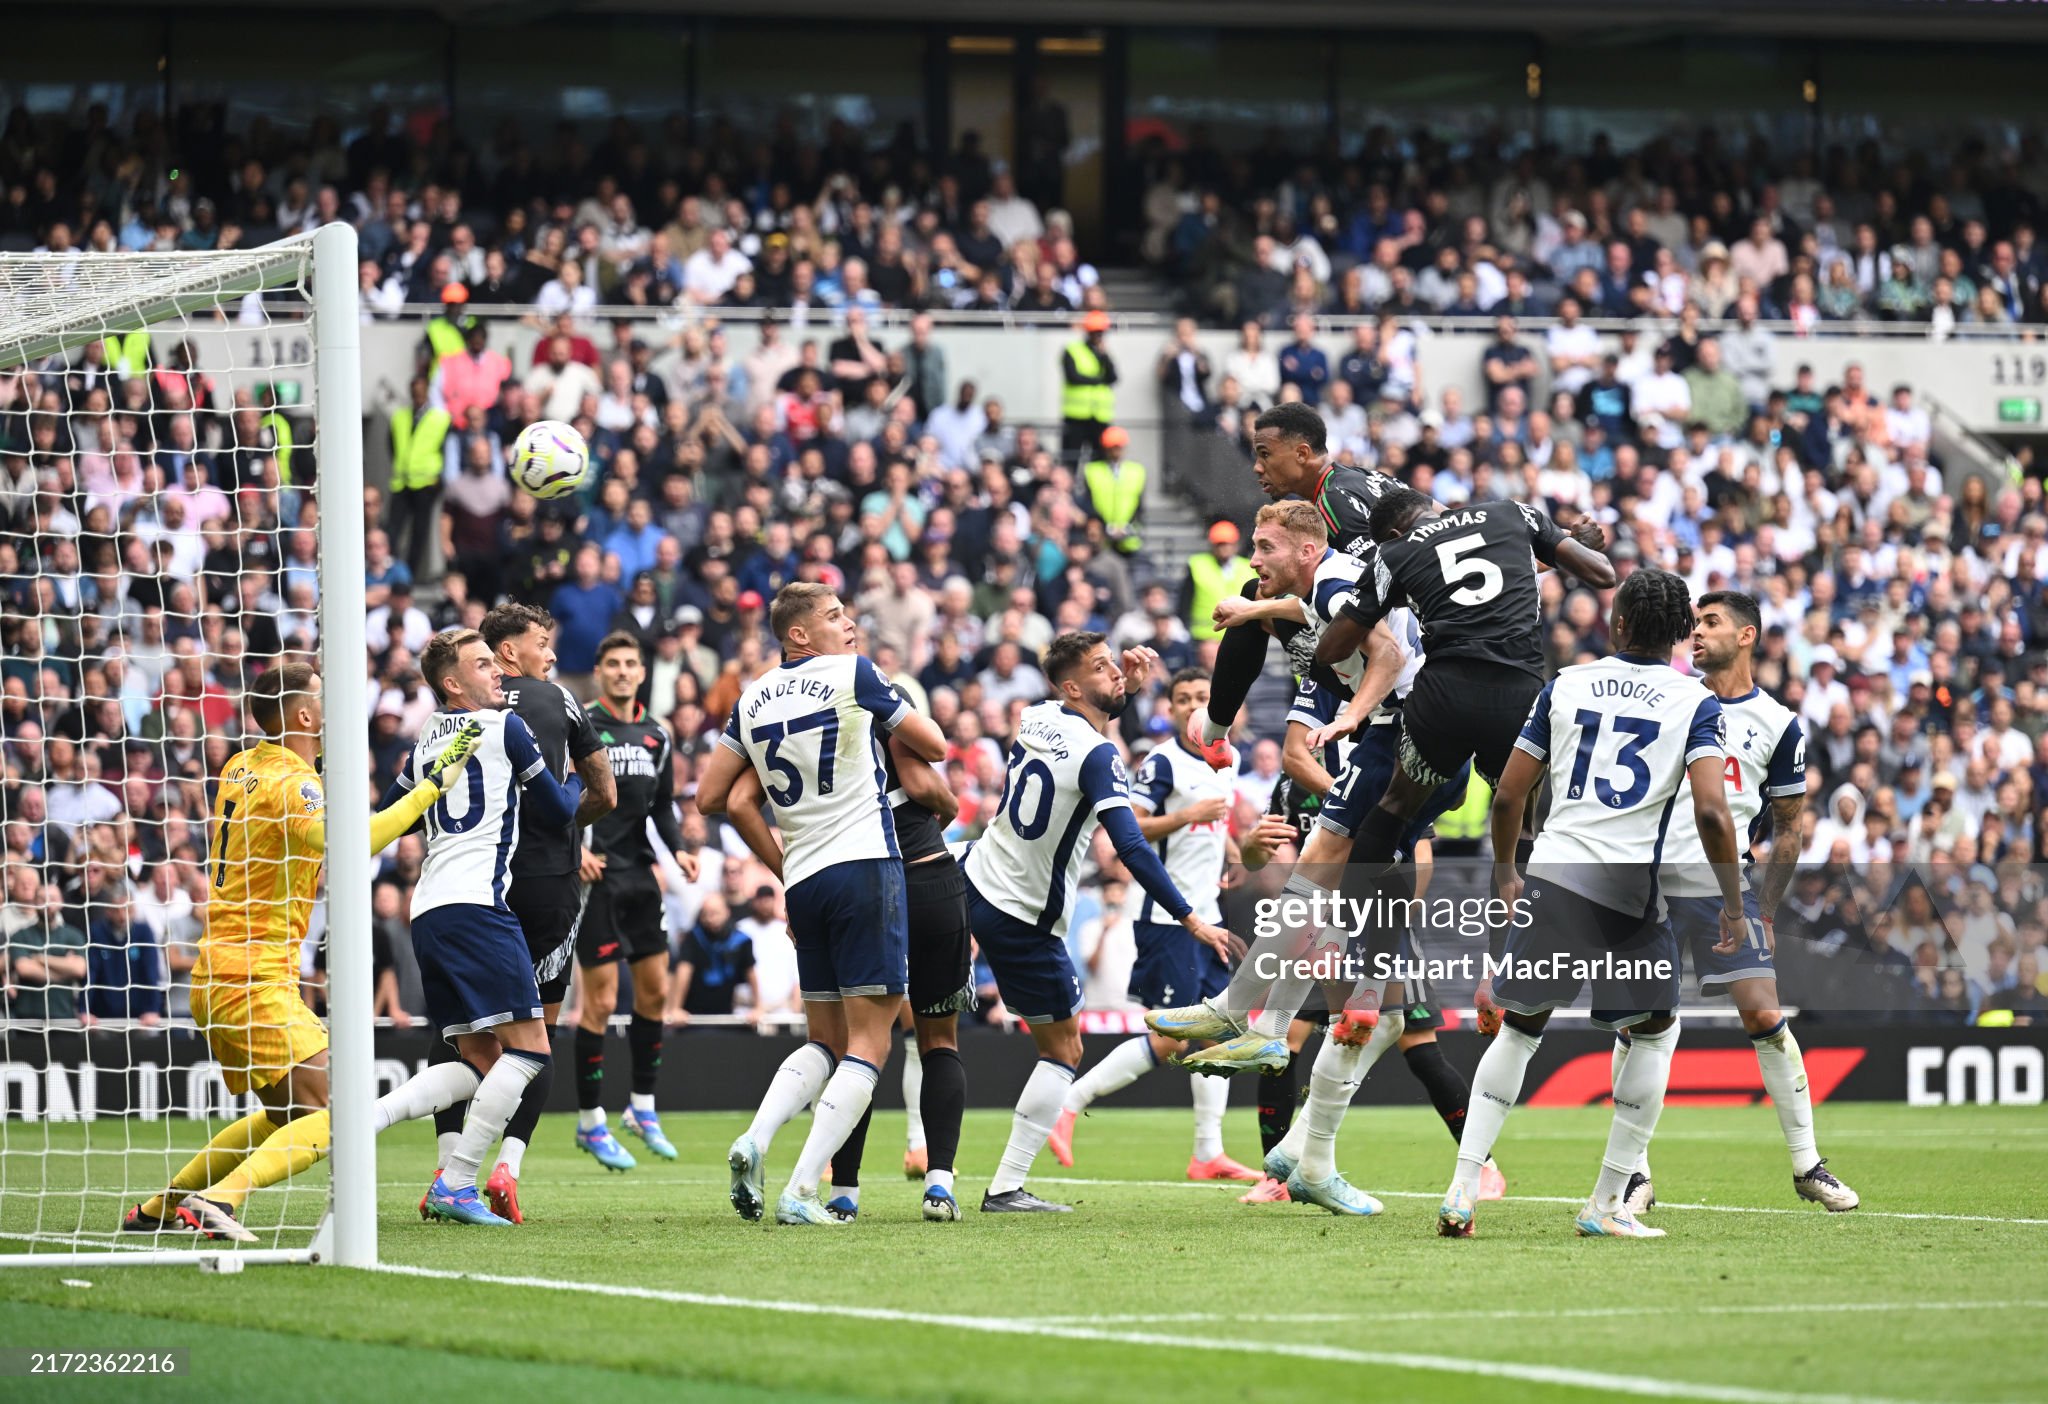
[882, 701]
[407, 801]
[554, 801]
[1383, 664]
[1569, 553]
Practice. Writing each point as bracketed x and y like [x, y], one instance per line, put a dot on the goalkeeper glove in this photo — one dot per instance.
[454, 755]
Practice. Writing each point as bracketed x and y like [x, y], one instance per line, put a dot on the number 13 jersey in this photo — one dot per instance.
[809, 729]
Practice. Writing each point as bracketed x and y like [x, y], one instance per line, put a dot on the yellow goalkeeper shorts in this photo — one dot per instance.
[256, 1032]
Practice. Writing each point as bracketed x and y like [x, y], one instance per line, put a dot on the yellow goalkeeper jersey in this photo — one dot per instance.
[269, 836]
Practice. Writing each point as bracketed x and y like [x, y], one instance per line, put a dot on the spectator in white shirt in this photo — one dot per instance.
[1574, 349]
[1011, 217]
[1906, 421]
[957, 426]
[709, 273]
[1662, 401]
[566, 292]
[1255, 369]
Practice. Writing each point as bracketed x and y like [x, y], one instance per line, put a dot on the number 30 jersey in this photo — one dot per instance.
[809, 728]
[1617, 736]
[1063, 774]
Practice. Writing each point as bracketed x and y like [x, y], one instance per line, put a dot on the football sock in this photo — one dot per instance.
[840, 1107]
[448, 1119]
[1122, 1066]
[437, 1086]
[1496, 1084]
[913, 1090]
[643, 1037]
[1638, 1102]
[1284, 997]
[589, 1071]
[1378, 838]
[295, 1146]
[1784, 1070]
[1332, 1083]
[1446, 1086]
[944, 1095]
[1615, 1060]
[446, 1141]
[795, 1086]
[1278, 1095]
[526, 1116]
[1240, 658]
[1211, 1097]
[1037, 1108]
[512, 1155]
[641, 1102]
[496, 1099]
[845, 1165]
[230, 1145]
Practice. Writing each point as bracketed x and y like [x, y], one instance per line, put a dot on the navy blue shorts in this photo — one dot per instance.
[851, 926]
[1033, 974]
[1173, 968]
[474, 968]
[1547, 959]
[1696, 926]
[1364, 780]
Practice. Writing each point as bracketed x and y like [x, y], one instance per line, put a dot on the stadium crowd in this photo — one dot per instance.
[157, 544]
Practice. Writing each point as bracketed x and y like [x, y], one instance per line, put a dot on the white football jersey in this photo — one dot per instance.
[1617, 735]
[1766, 761]
[811, 728]
[1170, 779]
[1336, 580]
[1063, 774]
[473, 829]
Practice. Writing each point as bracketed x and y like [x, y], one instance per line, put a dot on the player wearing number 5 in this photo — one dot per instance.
[269, 836]
[813, 730]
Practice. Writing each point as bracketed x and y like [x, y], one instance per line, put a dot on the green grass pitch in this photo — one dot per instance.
[647, 1286]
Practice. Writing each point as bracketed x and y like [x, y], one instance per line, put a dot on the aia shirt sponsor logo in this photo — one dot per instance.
[1700, 1077]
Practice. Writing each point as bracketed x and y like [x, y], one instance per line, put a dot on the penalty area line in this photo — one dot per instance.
[1638, 1386]
[1566, 1313]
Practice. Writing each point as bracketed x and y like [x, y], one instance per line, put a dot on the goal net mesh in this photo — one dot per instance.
[159, 551]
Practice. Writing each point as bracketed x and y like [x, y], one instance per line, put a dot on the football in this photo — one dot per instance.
[550, 459]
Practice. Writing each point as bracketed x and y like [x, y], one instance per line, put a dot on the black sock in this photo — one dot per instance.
[448, 1120]
[1447, 1088]
[643, 1036]
[589, 1069]
[1240, 658]
[532, 1104]
[846, 1160]
[943, 1102]
[1378, 838]
[1278, 1094]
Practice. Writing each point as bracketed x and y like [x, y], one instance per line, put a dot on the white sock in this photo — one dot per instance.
[424, 1093]
[1496, 1084]
[1638, 1102]
[1784, 1070]
[839, 1109]
[1289, 989]
[796, 1085]
[589, 1118]
[497, 1097]
[641, 1102]
[1037, 1108]
[1213, 730]
[1332, 1083]
[444, 1146]
[1124, 1065]
[939, 1179]
[913, 1091]
[1211, 1096]
[1615, 1062]
[512, 1155]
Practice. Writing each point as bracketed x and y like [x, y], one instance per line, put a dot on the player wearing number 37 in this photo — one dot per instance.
[268, 838]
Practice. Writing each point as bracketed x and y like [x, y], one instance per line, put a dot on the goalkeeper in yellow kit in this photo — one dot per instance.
[268, 837]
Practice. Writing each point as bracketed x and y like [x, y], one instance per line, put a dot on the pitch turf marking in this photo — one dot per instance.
[1641, 1386]
[1575, 1202]
[1563, 1314]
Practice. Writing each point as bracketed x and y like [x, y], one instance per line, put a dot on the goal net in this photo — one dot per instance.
[180, 513]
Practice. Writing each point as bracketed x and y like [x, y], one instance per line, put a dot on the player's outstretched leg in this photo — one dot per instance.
[228, 1148]
[454, 1193]
[1496, 1086]
[1280, 1096]
[1116, 1070]
[1339, 1069]
[796, 1085]
[1037, 1108]
[916, 1155]
[1638, 1102]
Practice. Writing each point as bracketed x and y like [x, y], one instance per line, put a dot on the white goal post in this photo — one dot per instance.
[246, 344]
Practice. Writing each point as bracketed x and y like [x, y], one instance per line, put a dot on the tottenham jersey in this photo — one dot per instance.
[1766, 761]
[1617, 735]
[473, 829]
[809, 728]
[1063, 774]
[1193, 856]
[1336, 580]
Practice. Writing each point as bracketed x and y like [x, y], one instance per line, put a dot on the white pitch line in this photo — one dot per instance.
[1642, 1386]
[1568, 1199]
[1570, 1313]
